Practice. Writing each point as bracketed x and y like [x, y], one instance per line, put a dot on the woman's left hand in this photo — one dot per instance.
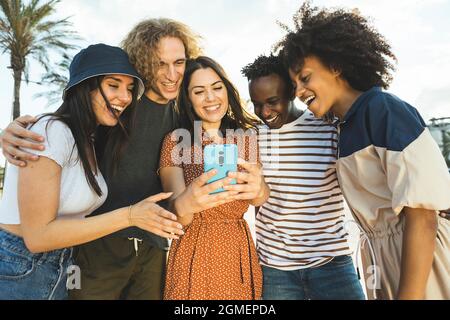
[250, 184]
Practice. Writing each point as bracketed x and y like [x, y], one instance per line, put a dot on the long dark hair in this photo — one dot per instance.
[236, 117]
[77, 113]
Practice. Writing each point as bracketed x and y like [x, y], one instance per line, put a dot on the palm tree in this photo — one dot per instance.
[25, 32]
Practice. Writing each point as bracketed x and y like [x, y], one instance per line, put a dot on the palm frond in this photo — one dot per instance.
[55, 80]
[28, 32]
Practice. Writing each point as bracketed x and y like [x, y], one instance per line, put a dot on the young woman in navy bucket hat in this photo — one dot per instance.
[44, 206]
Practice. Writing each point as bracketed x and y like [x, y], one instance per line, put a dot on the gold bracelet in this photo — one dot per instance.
[129, 216]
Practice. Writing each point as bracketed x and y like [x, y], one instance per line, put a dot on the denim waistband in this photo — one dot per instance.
[16, 244]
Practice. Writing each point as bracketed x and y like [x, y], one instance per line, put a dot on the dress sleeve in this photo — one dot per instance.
[416, 172]
[253, 148]
[171, 152]
[59, 142]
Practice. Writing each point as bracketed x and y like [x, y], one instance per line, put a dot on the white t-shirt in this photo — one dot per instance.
[76, 199]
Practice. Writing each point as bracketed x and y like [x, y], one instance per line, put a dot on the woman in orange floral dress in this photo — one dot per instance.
[216, 257]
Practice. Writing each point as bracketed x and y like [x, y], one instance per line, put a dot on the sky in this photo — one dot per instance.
[235, 32]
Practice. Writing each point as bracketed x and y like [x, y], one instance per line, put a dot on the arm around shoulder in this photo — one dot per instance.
[15, 137]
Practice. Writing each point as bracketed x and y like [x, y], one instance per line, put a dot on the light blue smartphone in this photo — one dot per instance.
[223, 158]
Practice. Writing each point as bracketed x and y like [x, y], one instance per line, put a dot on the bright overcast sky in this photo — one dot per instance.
[237, 31]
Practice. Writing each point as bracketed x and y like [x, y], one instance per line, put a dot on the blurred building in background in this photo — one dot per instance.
[440, 130]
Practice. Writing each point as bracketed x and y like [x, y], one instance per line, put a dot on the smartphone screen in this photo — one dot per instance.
[223, 158]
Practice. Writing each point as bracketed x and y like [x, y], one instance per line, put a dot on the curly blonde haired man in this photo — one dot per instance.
[158, 49]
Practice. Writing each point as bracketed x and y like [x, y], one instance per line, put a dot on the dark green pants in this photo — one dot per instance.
[111, 270]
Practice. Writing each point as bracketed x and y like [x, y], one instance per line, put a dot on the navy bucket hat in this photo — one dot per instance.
[101, 59]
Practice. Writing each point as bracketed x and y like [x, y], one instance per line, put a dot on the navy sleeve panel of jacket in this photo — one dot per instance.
[380, 119]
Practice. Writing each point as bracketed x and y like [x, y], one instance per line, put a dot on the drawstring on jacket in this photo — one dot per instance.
[363, 239]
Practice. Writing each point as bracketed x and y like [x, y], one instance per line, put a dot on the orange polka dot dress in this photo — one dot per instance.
[216, 258]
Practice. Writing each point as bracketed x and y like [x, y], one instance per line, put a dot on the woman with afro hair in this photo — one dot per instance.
[391, 171]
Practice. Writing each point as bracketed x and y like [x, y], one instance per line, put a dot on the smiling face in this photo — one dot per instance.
[317, 86]
[209, 97]
[170, 71]
[270, 99]
[118, 90]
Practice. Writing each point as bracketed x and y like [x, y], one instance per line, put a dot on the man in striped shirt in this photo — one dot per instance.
[300, 234]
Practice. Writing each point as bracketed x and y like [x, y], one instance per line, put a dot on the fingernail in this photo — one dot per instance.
[22, 164]
[35, 157]
[41, 148]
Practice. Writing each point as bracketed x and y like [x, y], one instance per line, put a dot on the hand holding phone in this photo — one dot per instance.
[223, 158]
